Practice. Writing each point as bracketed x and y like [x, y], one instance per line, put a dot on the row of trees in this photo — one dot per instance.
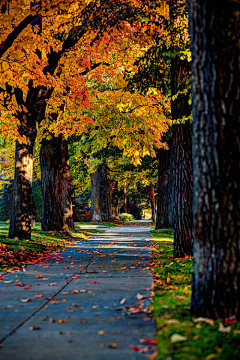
[46, 86]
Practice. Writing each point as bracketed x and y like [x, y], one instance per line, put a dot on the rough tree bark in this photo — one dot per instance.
[114, 199]
[101, 194]
[183, 188]
[57, 204]
[96, 215]
[125, 201]
[152, 201]
[215, 32]
[21, 204]
[164, 218]
[105, 193]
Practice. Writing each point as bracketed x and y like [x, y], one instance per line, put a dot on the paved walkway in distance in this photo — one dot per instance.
[85, 303]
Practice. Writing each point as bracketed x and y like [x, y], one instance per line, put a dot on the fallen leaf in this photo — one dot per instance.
[177, 338]
[75, 292]
[211, 356]
[65, 292]
[54, 302]
[152, 356]
[34, 328]
[140, 297]
[27, 287]
[202, 319]
[38, 296]
[25, 300]
[101, 332]
[171, 321]
[102, 345]
[94, 282]
[123, 301]
[224, 329]
[62, 321]
[52, 284]
[8, 282]
[1, 346]
[112, 346]
[83, 291]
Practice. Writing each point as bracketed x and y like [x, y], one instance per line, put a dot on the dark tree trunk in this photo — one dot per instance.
[96, 215]
[152, 201]
[21, 204]
[125, 201]
[105, 193]
[182, 168]
[215, 30]
[56, 192]
[101, 194]
[164, 218]
[114, 199]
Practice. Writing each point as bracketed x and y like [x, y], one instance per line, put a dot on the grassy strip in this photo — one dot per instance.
[181, 337]
[16, 253]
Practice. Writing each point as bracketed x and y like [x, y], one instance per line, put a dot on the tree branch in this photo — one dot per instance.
[14, 34]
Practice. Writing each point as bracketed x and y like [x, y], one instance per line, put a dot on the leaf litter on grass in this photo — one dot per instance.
[181, 337]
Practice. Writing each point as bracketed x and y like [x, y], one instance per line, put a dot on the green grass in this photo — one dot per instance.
[16, 253]
[171, 308]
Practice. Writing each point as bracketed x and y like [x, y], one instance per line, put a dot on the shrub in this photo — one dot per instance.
[125, 217]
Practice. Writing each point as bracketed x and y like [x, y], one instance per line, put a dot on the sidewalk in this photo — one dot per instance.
[81, 304]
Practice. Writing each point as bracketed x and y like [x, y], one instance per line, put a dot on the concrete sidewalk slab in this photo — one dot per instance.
[90, 307]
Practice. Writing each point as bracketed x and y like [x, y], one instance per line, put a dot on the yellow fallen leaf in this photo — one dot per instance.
[54, 302]
[75, 292]
[113, 346]
[101, 332]
[178, 338]
[95, 307]
[152, 356]
[211, 356]
[83, 291]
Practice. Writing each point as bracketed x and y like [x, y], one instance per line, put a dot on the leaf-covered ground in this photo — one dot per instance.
[16, 253]
[181, 337]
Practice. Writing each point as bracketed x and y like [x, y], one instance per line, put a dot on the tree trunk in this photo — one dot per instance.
[114, 199]
[21, 204]
[215, 30]
[152, 200]
[56, 192]
[125, 201]
[105, 193]
[164, 218]
[182, 168]
[96, 215]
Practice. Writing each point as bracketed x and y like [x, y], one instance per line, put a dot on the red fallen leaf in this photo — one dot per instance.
[94, 282]
[151, 342]
[27, 287]
[38, 276]
[49, 298]
[147, 289]
[34, 328]
[1, 345]
[141, 349]
[230, 320]
[20, 284]
[25, 300]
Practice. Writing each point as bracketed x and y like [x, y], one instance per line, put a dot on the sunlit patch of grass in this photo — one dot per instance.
[16, 253]
[172, 300]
